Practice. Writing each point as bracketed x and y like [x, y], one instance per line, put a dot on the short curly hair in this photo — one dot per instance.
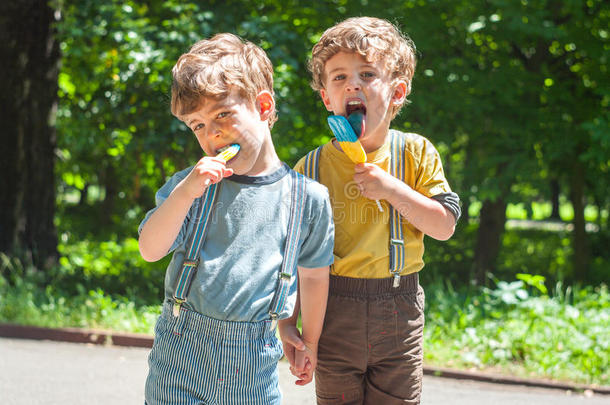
[373, 38]
[216, 66]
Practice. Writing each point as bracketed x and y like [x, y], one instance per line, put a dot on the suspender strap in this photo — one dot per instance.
[289, 261]
[312, 164]
[191, 261]
[397, 244]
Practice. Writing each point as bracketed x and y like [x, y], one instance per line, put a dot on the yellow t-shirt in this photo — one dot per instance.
[362, 232]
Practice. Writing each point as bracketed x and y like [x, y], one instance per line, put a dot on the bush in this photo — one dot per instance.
[518, 327]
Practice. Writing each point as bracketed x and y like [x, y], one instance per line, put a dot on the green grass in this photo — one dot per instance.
[516, 328]
[27, 297]
[521, 331]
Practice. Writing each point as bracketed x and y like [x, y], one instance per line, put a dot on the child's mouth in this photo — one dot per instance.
[356, 115]
[228, 152]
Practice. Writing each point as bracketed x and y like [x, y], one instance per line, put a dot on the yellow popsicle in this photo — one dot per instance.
[229, 153]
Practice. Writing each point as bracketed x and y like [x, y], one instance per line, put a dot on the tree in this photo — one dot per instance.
[29, 67]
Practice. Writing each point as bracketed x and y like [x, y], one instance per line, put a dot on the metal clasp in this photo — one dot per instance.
[177, 305]
[274, 317]
[396, 280]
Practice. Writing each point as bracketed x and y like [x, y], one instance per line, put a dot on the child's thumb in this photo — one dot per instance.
[299, 345]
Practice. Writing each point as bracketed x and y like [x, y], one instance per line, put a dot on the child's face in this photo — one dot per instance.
[351, 83]
[218, 123]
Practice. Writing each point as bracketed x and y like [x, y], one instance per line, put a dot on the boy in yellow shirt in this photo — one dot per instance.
[371, 348]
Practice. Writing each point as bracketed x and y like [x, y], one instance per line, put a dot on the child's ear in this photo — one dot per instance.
[325, 100]
[401, 91]
[265, 104]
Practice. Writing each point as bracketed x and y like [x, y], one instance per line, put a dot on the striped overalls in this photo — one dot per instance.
[196, 359]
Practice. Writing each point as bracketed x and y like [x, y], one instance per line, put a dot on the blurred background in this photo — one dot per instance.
[514, 94]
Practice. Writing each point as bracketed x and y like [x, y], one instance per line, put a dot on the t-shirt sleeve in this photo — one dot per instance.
[318, 228]
[431, 180]
[162, 195]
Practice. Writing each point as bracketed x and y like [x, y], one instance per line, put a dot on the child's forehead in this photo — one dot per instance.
[345, 59]
[211, 104]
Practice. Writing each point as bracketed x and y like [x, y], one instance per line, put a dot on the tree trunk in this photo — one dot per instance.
[580, 258]
[465, 217]
[555, 200]
[489, 238]
[29, 58]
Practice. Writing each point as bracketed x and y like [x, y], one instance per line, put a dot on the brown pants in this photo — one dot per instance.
[371, 348]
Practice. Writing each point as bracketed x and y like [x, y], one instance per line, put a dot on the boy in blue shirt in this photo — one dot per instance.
[238, 230]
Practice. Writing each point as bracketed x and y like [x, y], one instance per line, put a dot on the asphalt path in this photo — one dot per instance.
[44, 372]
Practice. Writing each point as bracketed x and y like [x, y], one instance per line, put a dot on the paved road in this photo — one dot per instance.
[43, 372]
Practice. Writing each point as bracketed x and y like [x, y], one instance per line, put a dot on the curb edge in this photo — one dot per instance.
[110, 338]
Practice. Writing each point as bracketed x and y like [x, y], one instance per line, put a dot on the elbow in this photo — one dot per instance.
[147, 256]
[147, 253]
[444, 233]
[443, 236]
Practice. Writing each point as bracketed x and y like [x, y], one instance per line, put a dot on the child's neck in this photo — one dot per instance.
[372, 142]
[267, 163]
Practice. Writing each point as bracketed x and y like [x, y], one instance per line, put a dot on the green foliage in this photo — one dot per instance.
[515, 327]
[513, 94]
[116, 268]
[563, 336]
[27, 298]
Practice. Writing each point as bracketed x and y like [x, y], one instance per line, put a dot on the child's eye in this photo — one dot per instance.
[198, 127]
[367, 75]
[223, 114]
[339, 77]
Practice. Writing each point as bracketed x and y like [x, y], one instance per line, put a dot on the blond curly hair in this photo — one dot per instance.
[372, 38]
[216, 66]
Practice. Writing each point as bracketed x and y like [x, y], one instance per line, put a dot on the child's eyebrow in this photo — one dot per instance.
[363, 66]
[219, 105]
[334, 70]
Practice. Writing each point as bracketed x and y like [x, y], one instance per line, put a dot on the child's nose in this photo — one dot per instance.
[213, 130]
[352, 85]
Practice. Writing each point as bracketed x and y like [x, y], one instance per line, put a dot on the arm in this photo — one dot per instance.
[314, 295]
[163, 226]
[302, 350]
[294, 348]
[290, 334]
[426, 214]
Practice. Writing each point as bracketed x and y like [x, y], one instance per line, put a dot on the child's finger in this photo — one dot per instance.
[300, 362]
[360, 168]
[294, 340]
[289, 353]
[304, 379]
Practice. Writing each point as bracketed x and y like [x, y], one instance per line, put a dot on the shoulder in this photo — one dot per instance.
[416, 145]
[313, 189]
[304, 164]
[181, 174]
[173, 181]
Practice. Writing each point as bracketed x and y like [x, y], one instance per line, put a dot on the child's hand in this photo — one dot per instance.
[305, 364]
[374, 183]
[302, 360]
[291, 340]
[208, 170]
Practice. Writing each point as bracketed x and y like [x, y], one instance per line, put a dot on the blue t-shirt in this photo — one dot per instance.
[242, 254]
